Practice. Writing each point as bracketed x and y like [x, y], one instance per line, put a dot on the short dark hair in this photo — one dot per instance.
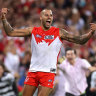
[69, 48]
[44, 9]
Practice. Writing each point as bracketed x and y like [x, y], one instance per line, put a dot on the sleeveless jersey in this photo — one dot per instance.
[45, 46]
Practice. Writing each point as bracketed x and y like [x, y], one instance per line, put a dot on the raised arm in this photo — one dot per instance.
[92, 68]
[64, 35]
[11, 31]
[93, 26]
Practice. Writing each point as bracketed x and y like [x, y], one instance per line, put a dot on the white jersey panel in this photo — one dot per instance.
[44, 55]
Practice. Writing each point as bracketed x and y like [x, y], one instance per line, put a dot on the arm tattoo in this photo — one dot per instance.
[7, 26]
[75, 39]
[15, 32]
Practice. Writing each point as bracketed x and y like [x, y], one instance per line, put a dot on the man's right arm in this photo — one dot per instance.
[61, 67]
[11, 31]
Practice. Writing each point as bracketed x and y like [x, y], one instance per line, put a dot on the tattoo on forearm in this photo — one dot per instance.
[75, 39]
[16, 32]
[7, 26]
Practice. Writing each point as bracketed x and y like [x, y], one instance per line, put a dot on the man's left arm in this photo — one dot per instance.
[87, 65]
[64, 35]
[92, 68]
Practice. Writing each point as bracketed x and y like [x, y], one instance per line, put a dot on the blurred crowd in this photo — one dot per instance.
[74, 16]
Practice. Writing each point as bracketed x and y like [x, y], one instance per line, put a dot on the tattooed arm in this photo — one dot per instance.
[64, 35]
[16, 32]
[11, 31]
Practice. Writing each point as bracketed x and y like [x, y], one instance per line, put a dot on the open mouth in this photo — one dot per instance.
[48, 22]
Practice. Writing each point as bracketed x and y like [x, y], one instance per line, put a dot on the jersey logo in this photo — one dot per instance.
[49, 37]
[38, 36]
[52, 70]
[50, 80]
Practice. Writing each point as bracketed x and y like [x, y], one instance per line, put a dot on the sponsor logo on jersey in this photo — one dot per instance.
[50, 80]
[38, 36]
[49, 37]
[52, 70]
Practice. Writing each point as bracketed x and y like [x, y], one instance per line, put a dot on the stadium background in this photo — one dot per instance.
[73, 15]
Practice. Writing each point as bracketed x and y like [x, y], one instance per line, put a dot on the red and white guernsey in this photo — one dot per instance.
[45, 49]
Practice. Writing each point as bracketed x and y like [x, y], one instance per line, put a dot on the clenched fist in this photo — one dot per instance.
[4, 12]
[93, 26]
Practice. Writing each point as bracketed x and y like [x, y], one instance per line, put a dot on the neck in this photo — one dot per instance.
[45, 29]
[72, 62]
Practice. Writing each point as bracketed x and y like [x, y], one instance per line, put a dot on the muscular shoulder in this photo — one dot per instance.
[35, 30]
[63, 33]
[55, 28]
[29, 29]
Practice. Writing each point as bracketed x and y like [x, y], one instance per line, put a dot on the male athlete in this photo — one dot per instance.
[46, 44]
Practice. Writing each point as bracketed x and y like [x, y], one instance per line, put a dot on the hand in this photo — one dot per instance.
[93, 26]
[3, 13]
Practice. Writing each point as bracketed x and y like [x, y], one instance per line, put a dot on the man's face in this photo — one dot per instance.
[46, 18]
[70, 55]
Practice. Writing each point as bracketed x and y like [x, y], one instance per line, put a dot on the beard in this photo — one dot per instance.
[44, 25]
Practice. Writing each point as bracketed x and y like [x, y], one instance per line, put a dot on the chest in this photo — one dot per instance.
[73, 70]
[47, 37]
